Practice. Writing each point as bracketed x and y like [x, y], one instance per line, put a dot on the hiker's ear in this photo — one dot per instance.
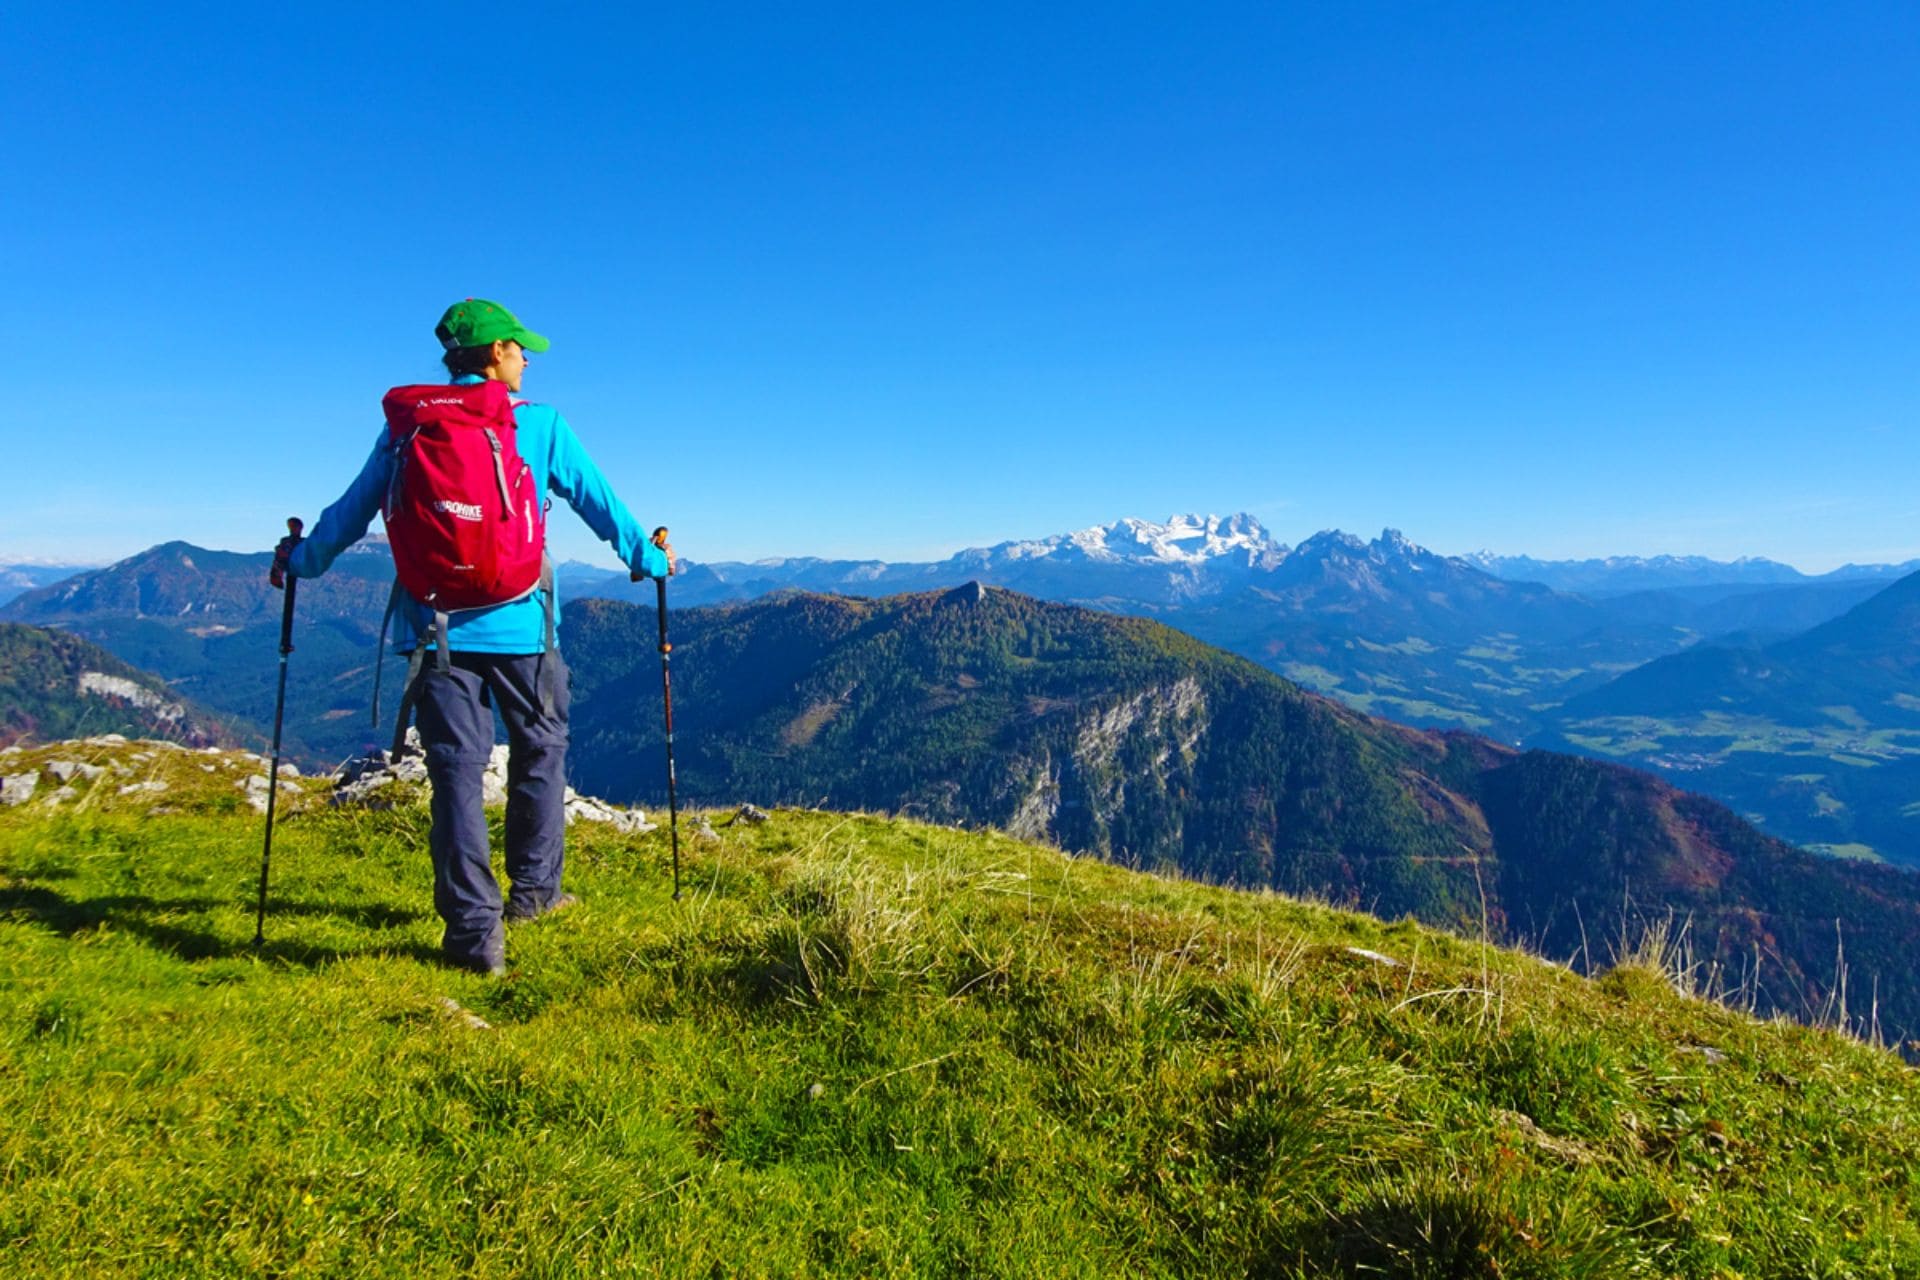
[499, 351]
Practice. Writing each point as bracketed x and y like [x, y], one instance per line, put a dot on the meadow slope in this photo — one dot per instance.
[861, 1046]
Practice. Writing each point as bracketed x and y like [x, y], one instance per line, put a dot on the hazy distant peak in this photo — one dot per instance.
[1617, 574]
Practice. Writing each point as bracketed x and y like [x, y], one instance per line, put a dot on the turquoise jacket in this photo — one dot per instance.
[560, 465]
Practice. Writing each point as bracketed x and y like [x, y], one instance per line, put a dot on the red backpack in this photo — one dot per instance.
[463, 518]
[461, 510]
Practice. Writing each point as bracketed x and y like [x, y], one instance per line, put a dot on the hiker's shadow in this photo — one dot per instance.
[178, 926]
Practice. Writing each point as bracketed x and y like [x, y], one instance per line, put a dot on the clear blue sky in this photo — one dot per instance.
[890, 280]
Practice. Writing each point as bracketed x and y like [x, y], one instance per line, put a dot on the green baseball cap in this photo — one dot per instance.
[475, 322]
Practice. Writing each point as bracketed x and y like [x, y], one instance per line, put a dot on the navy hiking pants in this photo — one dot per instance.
[454, 713]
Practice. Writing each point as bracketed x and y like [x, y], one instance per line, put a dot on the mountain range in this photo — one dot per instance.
[1387, 626]
[1105, 734]
[1618, 575]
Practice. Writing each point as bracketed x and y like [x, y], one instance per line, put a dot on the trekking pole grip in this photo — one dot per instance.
[659, 539]
[294, 527]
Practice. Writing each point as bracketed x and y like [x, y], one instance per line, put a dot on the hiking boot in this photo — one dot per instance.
[489, 957]
[487, 964]
[517, 914]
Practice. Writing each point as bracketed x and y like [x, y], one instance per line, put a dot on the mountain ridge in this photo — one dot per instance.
[977, 707]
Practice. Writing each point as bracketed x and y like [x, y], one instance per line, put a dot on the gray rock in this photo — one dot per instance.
[150, 785]
[367, 780]
[587, 809]
[68, 770]
[255, 785]
[493, 782]
[751, 814]
[18, 788]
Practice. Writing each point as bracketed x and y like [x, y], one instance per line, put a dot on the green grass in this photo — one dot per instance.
[1412, 646]
[866, 1047]
[1415, 709]
[1720, 735]
[1864, 852]
[1307, 675]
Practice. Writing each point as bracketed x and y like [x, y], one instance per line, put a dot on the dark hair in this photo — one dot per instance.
[465, 360]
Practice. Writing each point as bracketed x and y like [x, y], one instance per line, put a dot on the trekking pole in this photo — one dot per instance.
[666, 691]
[279, 713]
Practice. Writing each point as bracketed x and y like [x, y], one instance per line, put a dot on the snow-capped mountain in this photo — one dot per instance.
[1182, 540]
[1131, 561]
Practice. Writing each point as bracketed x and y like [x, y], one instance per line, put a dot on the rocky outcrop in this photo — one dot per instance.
[377, 781]
[18, 788]
[101, 684]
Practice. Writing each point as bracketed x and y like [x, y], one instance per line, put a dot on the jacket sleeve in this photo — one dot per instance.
[345, 522]
[573, 475]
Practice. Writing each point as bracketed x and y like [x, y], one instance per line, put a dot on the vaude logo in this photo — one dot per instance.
[421, 404]
[458, 510]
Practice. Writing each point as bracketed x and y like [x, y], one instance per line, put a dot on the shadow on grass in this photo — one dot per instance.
[157, 922]
[1443, 1234]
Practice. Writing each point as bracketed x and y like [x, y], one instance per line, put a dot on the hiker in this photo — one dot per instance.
[469, 659]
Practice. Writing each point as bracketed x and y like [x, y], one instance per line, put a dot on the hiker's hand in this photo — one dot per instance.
[283, 551]
[651, 565]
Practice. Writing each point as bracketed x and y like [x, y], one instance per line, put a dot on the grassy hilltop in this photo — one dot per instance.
[861, 1046]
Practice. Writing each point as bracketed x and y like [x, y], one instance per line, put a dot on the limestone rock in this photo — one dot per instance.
[365, 780]
[588, 809]
[18, 788]
[493, 782]
[68, 770]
